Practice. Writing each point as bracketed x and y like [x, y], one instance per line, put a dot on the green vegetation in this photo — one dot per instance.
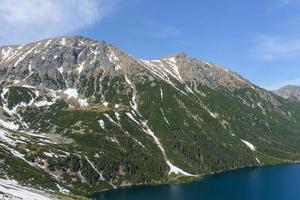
[199, 133]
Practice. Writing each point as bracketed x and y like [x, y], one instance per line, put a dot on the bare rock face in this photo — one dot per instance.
[291, 92]
[59, 63]
[55, 63]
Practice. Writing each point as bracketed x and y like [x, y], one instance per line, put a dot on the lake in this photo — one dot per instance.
[280, 182]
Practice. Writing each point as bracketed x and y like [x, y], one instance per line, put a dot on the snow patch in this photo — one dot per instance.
[6, 139]
[257, 160]
[13, 190]
[44, 103]
[161, 94]
[262, 109]
[47, 43]
[133, 102]
[63, 41]
[101, 123]
[49, 154]
[73, 93]
[5, 53]
[117, 116]
[176, 170]
[30, 67]
[248, 144]
[113, 58]
[83, 102]
[164, 116]
[132, 118]
[211, 114]
[9, 125]
[80, 68]
[60, 69]
[62, 190]
[110, 119]
[112, 139]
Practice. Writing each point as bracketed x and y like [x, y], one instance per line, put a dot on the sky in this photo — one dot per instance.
[259, 39]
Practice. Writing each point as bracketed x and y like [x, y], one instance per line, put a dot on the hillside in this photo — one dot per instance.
[80, 116]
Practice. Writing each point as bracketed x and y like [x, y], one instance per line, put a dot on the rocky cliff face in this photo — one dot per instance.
[291, 92]
[80, 116]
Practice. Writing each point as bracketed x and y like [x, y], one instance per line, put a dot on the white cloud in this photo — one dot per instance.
[27, 20]
[285, 44]
[275, 47]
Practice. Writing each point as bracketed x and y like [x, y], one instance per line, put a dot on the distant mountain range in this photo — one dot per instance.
[80, 116]
[291, 92]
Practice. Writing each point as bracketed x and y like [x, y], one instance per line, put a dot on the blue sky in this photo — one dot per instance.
[259, 39]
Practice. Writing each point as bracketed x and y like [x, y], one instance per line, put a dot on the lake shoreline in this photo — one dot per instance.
[194, 179]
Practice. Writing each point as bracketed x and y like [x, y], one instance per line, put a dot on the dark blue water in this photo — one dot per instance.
[261, 183]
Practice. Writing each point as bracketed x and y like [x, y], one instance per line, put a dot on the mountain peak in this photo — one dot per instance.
[71, 38]
[179, 55]
[291, 86]
[291, 92]
[64, 57]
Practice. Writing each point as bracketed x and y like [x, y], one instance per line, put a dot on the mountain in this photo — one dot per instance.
[80, 116]
[291, 92]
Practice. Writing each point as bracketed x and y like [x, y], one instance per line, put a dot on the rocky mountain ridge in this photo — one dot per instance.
[89, 117]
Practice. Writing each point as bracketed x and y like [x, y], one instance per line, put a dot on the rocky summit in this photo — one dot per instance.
[79, 116]
[291, 92]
